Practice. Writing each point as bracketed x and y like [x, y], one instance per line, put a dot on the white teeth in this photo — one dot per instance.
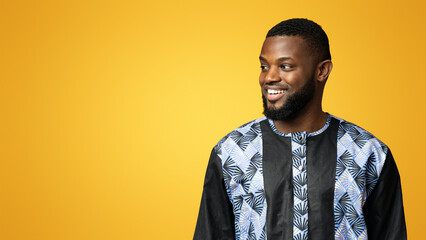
[272, 92]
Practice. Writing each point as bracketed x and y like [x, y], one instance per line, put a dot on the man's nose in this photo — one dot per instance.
[272, 75]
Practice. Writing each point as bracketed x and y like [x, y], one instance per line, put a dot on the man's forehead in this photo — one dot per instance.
[279, 47]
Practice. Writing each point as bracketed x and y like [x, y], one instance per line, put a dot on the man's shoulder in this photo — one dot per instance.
[243, 134]
[351, 132]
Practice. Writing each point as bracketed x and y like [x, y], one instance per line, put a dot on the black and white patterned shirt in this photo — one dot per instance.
[339, 182]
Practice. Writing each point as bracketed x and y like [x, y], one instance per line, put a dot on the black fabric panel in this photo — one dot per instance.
[321, 158]
[216, 217]
[277, 175]
[278, 182]
[383, 209]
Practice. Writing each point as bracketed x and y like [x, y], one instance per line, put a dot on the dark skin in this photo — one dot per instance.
[287, 65]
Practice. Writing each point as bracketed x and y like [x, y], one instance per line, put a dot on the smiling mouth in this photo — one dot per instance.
[274, 92]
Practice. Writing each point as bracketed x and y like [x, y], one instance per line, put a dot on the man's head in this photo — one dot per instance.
[295, 62]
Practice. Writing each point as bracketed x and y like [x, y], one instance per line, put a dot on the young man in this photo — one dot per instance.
[298, 172]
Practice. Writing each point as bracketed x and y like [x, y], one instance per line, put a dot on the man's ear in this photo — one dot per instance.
[323, 70]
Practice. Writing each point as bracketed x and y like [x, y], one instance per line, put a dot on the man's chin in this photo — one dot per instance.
[273, 106]
[272, 109]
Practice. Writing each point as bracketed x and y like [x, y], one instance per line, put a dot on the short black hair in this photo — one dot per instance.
[314, 36]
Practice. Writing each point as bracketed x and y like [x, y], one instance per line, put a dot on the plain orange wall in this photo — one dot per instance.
[109, 109]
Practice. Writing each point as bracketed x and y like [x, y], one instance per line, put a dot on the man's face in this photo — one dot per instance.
[287, 76]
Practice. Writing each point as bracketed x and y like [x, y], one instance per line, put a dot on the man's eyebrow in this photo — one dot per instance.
[281, 59]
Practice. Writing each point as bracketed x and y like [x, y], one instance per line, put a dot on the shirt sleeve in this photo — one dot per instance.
[216, 217]
[383, 209]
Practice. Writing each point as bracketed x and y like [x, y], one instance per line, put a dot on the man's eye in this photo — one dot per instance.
[285, 67]
[263, 67]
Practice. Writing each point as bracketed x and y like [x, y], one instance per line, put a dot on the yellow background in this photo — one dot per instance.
[109, 109]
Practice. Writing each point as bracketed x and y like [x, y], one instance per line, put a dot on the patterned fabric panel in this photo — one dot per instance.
[360, 159]
[241, 155]
[300, 186]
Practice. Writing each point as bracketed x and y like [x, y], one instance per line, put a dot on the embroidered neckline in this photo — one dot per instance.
[327, 123]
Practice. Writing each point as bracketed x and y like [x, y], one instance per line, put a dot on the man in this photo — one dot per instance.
[298, 172]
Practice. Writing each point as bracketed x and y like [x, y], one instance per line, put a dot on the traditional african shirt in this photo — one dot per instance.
[339, 182]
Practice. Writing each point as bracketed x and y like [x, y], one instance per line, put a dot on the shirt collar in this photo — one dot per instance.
[327, 123]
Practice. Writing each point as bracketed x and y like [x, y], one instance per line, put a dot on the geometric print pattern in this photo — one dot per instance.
[300, 186]
[360, 159]
[241, 155]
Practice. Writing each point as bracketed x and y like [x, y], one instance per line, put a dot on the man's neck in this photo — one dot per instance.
[309, 121]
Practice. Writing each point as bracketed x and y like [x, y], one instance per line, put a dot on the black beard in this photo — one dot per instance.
[293, 105]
